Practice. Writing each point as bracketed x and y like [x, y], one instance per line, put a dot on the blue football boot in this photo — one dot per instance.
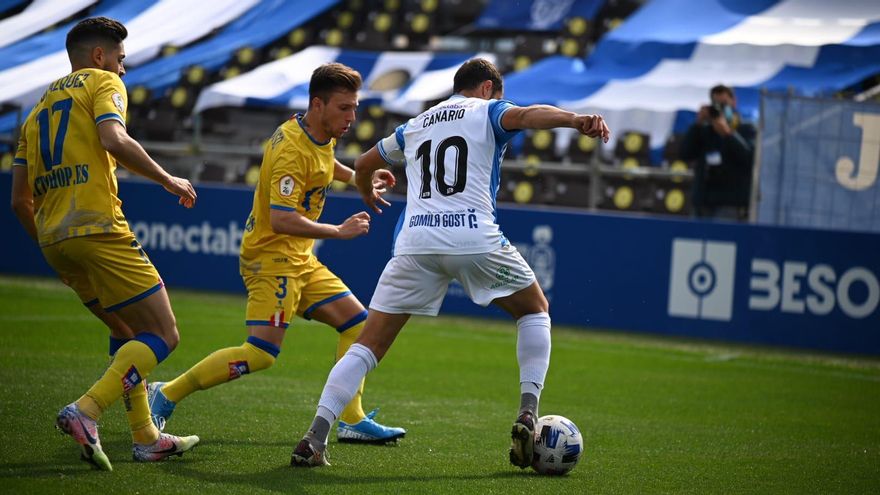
[368, 431]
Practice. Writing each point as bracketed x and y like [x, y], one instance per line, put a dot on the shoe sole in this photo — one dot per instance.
[522, 448]
[160, 459]
[300, 461]
[374, 441]
[95, 458]
[166, 456]
[90, 454]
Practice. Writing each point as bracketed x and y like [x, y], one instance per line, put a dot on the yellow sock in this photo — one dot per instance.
[143, 431]
[220, 367]
[132, 363]
[354, 411]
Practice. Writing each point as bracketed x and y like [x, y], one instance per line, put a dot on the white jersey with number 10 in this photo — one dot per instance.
[453, 155]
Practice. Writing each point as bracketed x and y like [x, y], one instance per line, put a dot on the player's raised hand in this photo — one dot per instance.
[382, 180]
[354, 226]
[183, 189]
[593, 126]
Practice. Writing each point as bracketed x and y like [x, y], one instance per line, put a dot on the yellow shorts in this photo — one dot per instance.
[110, 269]
[272, 299]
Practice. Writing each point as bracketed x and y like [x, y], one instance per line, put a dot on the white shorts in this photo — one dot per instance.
[416, 284]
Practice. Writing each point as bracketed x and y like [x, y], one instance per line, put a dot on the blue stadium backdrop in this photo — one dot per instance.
[761, 284]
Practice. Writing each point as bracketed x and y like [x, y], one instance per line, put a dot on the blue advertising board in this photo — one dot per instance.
[747, 283]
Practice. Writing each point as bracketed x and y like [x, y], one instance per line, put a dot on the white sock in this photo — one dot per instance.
[533, 351]
[344, 380]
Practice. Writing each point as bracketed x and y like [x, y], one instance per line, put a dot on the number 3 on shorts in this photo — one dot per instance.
[141, 252]
[282, 288]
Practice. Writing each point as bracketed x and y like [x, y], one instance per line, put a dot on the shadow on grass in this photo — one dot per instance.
[65, 463]
[303, 480]
[208, 442]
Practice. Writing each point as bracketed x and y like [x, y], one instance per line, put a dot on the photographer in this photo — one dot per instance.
[723, 148]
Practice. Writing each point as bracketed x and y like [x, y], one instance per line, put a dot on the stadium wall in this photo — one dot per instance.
[747, 283]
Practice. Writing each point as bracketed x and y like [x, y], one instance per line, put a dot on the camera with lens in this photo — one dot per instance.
[715, 110]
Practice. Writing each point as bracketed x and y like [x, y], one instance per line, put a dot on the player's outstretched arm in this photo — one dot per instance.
[342, 172]
[132, 155]
[292, 223]
[372, 179]
[382, 178]
[550, 117]
[23, 200]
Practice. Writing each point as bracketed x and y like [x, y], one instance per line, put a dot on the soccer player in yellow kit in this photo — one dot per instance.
[281, 273]
[64, 193]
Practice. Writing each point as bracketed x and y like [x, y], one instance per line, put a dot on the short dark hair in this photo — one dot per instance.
[720, 88]
[473, 72]
[332, 77]
[92, 31]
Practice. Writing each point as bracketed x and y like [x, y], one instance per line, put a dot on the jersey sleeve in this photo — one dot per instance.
[286, 191]
[391, 148]
[111, 100]
[20, 159]
[496, 111]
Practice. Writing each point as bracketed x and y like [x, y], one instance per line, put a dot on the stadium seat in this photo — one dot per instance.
[670, 149]
[212, 172]
[161, 124]
[633, 147]
[541, 144]
[577, 27]
[670, 196]
[581, 149]
[570, 190]
[612, 14]
[419, 28]
[575, 37]
[300, 37]
[376, 35]
[625, 194]
[533, 46]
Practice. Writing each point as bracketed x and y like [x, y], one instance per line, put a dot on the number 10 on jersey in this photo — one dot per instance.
[423, 153]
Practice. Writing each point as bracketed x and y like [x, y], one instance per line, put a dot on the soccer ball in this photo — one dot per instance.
[558, 447]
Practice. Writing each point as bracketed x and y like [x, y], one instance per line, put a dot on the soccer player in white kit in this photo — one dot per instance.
[448, 231]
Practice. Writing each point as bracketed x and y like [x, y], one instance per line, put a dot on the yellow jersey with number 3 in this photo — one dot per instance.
[295, 174]
[71, 176]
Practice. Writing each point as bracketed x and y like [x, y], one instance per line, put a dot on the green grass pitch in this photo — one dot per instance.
[658, 415]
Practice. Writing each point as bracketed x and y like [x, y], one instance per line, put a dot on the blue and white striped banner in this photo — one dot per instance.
[664, 59]
[150, 26]
[39, 15]
[535, 15]
[402, 81]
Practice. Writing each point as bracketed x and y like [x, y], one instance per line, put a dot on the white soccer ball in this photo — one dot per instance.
[558, 447]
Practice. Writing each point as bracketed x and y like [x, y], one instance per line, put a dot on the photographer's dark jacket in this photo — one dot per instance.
[729, 182]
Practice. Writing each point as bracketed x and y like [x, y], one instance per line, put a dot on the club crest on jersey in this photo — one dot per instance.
[130, 379]
[118, 101]
[238, 368]
[285, 186]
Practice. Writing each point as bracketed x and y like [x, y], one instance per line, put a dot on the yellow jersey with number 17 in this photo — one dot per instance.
[70, 174]
[294, 176]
